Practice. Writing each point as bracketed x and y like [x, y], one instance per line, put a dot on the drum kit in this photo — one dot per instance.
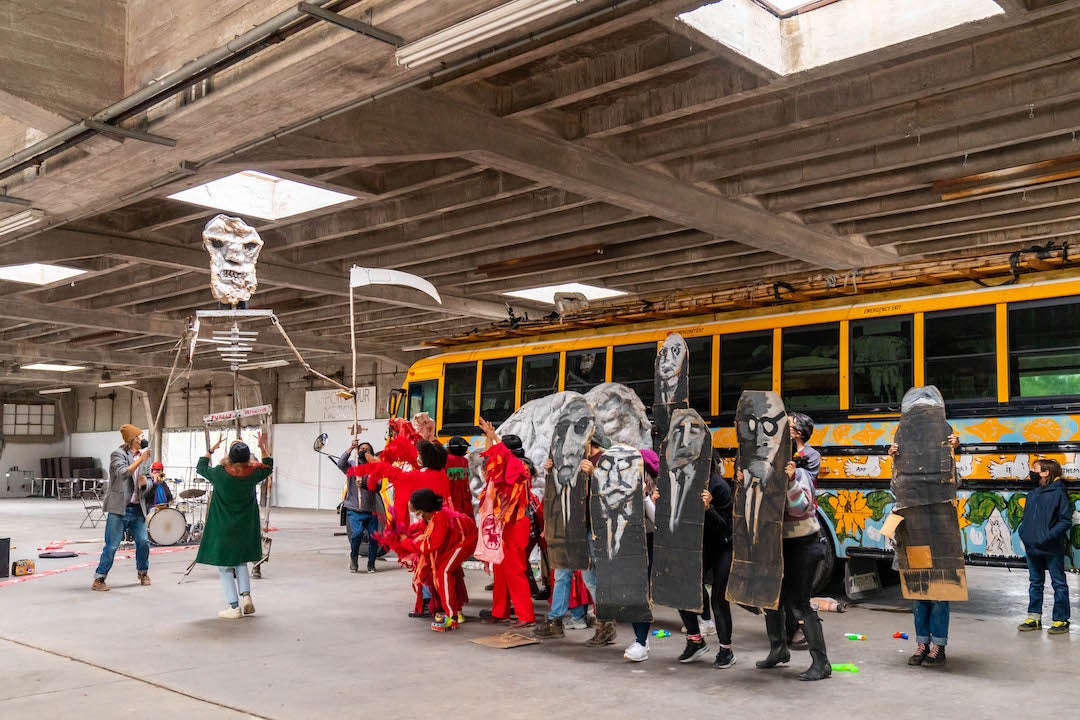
[181, 524]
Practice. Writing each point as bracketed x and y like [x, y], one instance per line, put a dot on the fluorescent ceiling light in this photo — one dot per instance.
[54, 391]
[266, 365]
[49, 367]
[825, 33]
[18, 221]
[546, 294]
[117, 383]
[257, 194]
[38, 273]
[476, 29]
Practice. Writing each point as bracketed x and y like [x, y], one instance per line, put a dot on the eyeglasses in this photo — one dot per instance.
[768, 425]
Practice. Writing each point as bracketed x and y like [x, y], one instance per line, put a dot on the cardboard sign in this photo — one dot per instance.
[566, 491]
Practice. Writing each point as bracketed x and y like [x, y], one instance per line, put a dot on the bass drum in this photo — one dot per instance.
[166, 526]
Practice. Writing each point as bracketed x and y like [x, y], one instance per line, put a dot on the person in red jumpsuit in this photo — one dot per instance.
[510, 480]
[457, 469]
[446, 541]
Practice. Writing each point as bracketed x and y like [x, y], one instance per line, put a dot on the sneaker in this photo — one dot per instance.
[231, 613]
[247, 604]
[694, 649]
[460, 618]
[443, 623]
[489, 587]
[371, 569]
[604, 635]
[354, 565]
[936, 656]
[636, 652]
[590, 620]
[549, 629]
[1059, 627]
[573, 623]
[492, 620]
[921, 651]
[1032, 623]
[144, 578]
[708, 627]
[99, 585]
[724, 659]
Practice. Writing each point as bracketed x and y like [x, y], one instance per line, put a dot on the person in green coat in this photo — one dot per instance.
[231, 538]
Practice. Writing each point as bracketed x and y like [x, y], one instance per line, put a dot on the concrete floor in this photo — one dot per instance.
[329, 644]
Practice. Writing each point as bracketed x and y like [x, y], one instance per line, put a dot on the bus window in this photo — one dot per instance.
[585, 369]
[745, 364]
[634, 367]
[1044, 349]
[700, 359]
[497, 380]
[961, 354]
[459, 394]
[539, 376]
[881, 366]
[810, 370]
[422, 397]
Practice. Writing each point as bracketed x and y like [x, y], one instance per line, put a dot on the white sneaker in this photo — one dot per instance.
[636, 652]
[572, 623]
[708, 627]
[231, 613]
[247, 605]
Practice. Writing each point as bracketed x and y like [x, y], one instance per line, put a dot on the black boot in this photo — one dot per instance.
[815, 640]
[778, 650]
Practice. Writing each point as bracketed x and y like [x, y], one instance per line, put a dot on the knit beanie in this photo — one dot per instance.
[239, 453]
[129, 432]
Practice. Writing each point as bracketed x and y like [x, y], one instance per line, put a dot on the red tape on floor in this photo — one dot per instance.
[125, 556]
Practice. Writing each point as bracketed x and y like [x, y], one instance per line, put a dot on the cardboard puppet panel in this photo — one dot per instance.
[923, 466]
[620, 558]
[930, 553]
[672, 378]
[685, 465]
[566, 490]
[757, 565]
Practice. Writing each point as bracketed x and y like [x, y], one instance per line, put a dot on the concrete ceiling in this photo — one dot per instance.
[625, 150]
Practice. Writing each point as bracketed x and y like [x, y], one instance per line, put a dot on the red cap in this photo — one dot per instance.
[157, 466]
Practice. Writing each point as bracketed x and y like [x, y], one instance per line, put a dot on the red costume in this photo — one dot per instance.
[445, 543]
[405, 483]
[509, 479]
[461, 497]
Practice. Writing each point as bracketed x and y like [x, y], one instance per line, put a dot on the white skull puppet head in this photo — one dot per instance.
[671, 370]
[234, 248]
[685, 440]
[618, 474]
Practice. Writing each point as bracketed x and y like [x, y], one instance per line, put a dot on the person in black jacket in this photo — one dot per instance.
[360, 509]
[1044, 529]
[716, 552]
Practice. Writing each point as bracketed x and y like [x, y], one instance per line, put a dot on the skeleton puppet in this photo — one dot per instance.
[565, 493]
[761, 425]
[234, 249]
[685, 466]
[671, 382]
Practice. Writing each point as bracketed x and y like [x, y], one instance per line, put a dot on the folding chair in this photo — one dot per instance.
[92, 505]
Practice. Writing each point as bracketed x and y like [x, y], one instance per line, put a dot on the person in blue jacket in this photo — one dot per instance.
[1044, 531]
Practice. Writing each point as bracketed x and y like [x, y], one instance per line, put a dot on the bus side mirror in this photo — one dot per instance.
[394, 401]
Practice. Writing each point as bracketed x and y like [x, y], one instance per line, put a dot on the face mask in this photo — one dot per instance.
[1034, 475]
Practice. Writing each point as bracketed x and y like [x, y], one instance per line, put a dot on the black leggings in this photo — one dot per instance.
[801, 557]
[719, 562]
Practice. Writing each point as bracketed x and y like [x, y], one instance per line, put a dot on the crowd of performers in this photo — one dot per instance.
[416, 466]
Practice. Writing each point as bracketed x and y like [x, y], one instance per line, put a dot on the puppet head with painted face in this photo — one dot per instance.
[618, 476]
[922, 396]
[670, 368]
[569, 442]
[234, 248]
[761, 424]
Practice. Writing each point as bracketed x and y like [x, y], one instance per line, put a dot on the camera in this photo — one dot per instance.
[801, 461]
[144, 443]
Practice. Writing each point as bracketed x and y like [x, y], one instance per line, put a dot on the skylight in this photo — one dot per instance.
[546, 294]
[257, 194]
[49, 367]
[821, 34]
[38, 274]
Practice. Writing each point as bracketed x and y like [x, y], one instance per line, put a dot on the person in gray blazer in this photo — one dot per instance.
[125, 504]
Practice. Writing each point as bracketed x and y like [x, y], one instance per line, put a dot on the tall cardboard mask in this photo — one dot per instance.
[234, 248]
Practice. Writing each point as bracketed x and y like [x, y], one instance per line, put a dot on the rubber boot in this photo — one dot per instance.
[815, 640]
[778, 650]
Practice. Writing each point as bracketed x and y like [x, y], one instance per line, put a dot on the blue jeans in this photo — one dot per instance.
[115, 525]
[560, 594]
[231, 579]
[1038, 564]
[360, 523]
[931, 621]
